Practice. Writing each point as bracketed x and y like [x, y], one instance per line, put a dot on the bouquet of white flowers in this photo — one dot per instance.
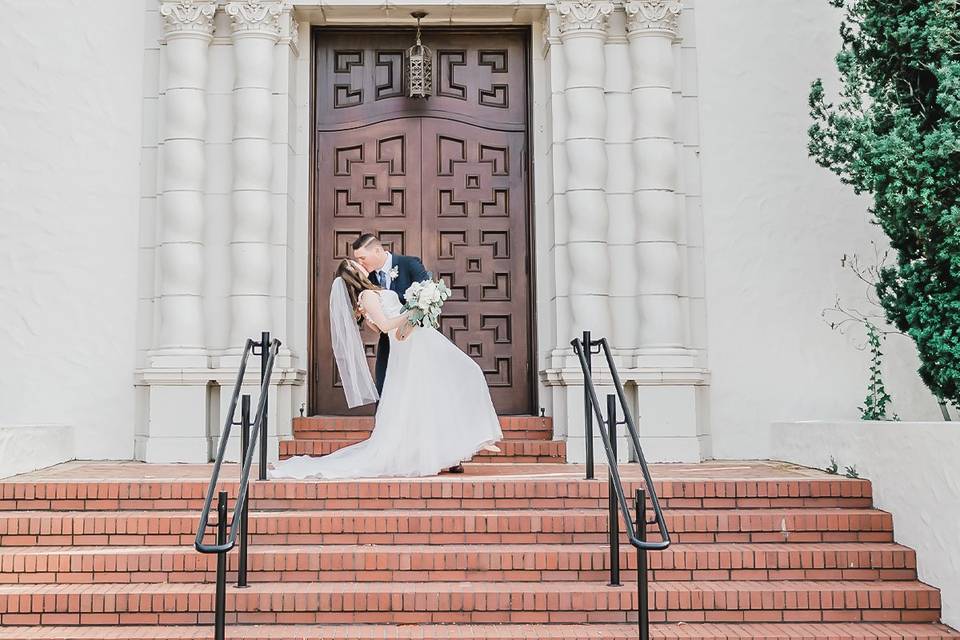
[424, 300]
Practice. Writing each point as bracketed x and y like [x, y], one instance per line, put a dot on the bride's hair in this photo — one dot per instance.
[357, 282]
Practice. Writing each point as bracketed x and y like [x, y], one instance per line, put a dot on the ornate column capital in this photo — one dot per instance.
[653, 17]
[583, 16]
[188, 17]
[256, 17]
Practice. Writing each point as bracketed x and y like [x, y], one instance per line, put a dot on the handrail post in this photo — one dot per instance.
[642, 584]
[587, 343]
[614, 514]
[244, 447]
[220, 615]
[264, 356]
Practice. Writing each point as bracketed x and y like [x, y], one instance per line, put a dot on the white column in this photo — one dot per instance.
[582, 27]
[175, 421]
[670, 388]
[652, 27]
[619, 191]
[188, 31]
[255, 27]
[583, 30]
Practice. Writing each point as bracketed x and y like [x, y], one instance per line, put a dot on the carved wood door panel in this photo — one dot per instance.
[367, 179]
[445, 179]
[474, 206]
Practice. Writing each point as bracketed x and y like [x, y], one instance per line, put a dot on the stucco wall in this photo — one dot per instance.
[25, 447]
[69, 178]
[776, 226]
[913, 469]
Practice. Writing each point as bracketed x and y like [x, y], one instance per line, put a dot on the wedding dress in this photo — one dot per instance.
[435, 412]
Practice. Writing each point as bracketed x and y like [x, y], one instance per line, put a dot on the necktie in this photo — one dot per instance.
[383, 279]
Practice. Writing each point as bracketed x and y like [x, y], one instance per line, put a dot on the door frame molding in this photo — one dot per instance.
[533, 364]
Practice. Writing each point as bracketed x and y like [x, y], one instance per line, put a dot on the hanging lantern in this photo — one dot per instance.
[419, 66]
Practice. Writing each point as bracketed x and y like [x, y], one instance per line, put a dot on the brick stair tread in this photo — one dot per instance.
[691, 631]
[151, 594]
[443, 526]
[365, 423]
[359, 428]
[692, 517]
[779, 549]
[558, 557]
[362, 434]
[510, 449]
[356, 435]
[512, 485]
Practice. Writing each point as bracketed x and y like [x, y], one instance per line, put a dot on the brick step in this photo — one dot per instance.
[514, 489]
[359, 428]
[443, 527]
[666, 631]
[463, 602]
[478, 563]
[517, 451]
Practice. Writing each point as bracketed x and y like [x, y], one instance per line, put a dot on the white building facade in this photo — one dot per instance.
[166, 208]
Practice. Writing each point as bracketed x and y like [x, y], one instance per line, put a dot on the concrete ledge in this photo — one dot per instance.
[28, 447]
[915, 471]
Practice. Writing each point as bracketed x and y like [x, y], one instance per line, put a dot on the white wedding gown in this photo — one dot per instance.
[435, 412]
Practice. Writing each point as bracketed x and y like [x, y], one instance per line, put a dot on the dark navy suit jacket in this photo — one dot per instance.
[409, 270]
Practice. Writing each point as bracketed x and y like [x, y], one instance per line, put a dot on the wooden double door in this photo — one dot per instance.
[444, 178]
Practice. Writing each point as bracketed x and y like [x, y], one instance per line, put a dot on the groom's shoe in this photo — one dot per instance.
[457, 469]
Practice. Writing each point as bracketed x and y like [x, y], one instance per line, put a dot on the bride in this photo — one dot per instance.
[435, 411]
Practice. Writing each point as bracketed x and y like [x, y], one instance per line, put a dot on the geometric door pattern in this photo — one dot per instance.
[445, 179]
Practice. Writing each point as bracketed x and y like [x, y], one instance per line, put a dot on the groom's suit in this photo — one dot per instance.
[409, 270]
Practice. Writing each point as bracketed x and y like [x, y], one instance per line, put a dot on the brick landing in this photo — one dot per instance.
[506, 551]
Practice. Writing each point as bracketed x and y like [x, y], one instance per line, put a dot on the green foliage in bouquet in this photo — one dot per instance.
[895, 134]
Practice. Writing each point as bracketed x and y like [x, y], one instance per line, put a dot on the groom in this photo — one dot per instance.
[394, 272]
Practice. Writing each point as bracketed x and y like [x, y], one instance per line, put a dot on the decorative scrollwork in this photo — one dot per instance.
[654, 16]
[583, 15]
[256, 16]
[191, 16]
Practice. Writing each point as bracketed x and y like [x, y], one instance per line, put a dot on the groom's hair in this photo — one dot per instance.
[366, 240]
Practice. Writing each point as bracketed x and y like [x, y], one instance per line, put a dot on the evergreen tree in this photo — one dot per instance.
[894, 133]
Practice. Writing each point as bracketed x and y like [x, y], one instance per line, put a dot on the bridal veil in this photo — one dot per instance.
[355, 376]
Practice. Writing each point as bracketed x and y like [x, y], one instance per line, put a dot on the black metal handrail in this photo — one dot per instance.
[247, 463]
[226, 541]
[636, 532]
